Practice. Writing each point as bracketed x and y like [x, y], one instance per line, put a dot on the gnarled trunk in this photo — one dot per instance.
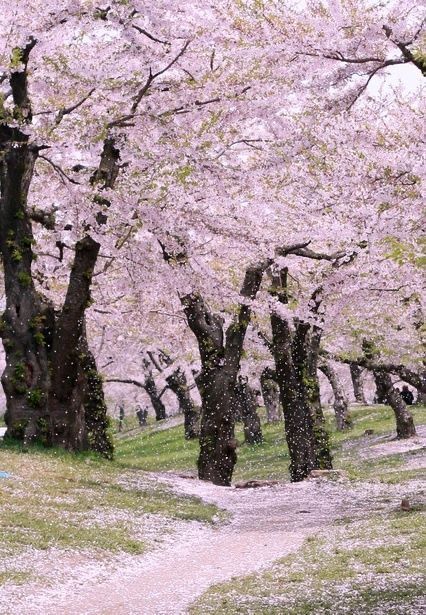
[404, 420]
[357, 383]
[217, 456]
[271, 395]
[77, 410]
[296, 355]
[340, 403]
[220, 354]
[177, 383]
[45, 382]
[27, 323]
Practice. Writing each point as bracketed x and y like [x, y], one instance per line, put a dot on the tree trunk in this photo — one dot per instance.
[157, 404]
[220, 354]
[381, 389]
[298, 420]
[296, 356]
[217, 441]
[68, 381]
[271, 396]
[340, 403]
[177, 383]
[44, 380]
[97, 421]
[246, 397]
[404, 420]
[421, 392]
[357, 383]
[27, 324]
[306, 346]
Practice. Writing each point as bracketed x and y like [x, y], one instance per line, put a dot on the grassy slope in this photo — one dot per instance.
[55, 499]
[166, 450]
[79, 502]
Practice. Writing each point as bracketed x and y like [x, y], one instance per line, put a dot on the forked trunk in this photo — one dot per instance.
[296, 357]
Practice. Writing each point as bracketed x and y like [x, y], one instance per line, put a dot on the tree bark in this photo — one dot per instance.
[271, 395]
[27, 324]
[340, 403]
[404, 420]
[381, 396]
[357, 383]
[46, 384]
[154, 396]
[177, 383]
[220, 354]
[68, 381]
[296, 357]
[246, 399]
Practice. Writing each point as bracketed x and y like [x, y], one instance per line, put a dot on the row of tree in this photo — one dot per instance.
[149, 158]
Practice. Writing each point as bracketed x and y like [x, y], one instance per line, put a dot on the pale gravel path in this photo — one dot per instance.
[267, 523]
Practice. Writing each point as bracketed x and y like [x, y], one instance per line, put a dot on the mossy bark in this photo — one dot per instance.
[295, 354]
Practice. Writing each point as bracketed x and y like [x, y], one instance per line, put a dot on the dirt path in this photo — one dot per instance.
[266, 523]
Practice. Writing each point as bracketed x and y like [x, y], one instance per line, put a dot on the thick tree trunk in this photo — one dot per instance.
[271, 396]
[177, 383]
[340, 403]
[45, 382]
[298, 419]
[357, 383]
[220, 354]
[296, 356]
[246, 398]
[27, 325]
[404, 420]
[68, 381]
[217, 440]
[305, 352]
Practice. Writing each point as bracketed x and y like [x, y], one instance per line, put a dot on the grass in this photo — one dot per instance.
[78, 502]
[55, 499]
[373, 566]
[167, 450]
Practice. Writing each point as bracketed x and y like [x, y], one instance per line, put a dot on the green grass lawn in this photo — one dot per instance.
[167, 450]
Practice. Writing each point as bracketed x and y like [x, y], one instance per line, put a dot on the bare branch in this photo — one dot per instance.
[152, 76]
[60, 171]
[126, 381]
[150, 36]
[67, 110]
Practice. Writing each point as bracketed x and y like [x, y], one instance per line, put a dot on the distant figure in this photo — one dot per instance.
[120, 416]
[407, 395]
[142, 415]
